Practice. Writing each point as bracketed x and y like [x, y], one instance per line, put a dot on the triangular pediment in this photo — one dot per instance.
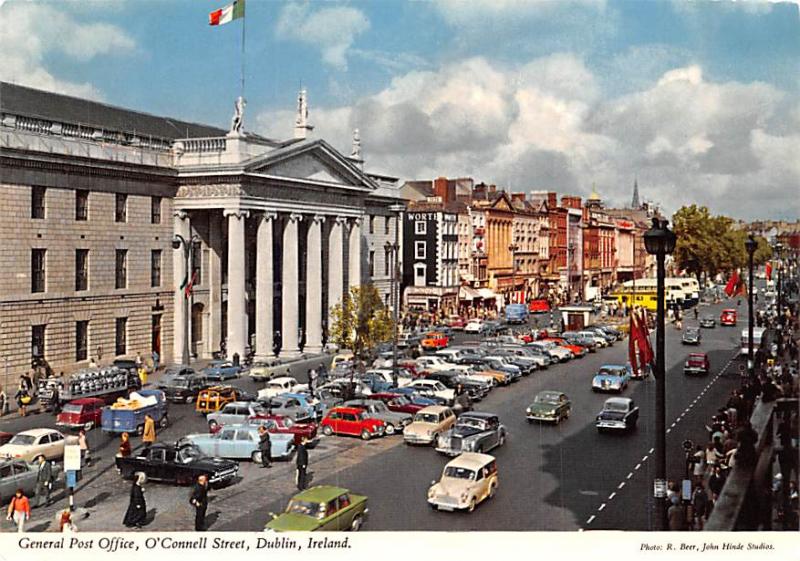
[315, 161]
[502, 203]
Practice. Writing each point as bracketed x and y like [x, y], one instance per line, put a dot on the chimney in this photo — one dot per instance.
[492, 189]
[552, 199]
[440, 189]
[517, 196]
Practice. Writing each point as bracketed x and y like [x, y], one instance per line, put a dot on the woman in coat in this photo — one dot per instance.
[137, 508]
[124, 445]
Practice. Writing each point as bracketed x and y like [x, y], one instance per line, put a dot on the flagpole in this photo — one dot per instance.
[244, 20]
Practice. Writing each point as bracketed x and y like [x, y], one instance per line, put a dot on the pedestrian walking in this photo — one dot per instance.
[155, 361]
[23, 395]
[149, 432]
[124, 445]
[44, 482]
[700, 505]
[142, 372]
[676, 515]
[19, 510]
[264, 447]
[199, 500]
[136, 515]
[3, 402]
[86, 453]
[312, 380]
[302, 465]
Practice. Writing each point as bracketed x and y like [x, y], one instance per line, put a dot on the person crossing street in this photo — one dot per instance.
[264, 447]
[302, 465]
[44, 482]
[199, 500]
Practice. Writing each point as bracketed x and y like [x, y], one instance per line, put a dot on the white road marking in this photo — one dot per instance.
[651, 450]
[612, 495]
[591, 519]
[672, 426]
[630, 475]
[638, 466]
[621, 485]
[669, 431]
[601, 507]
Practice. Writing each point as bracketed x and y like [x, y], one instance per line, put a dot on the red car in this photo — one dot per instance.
[577, 350]
[539, 307]
[727, 317]
[83, 413]
[697, 363]
[284, 425]
[456, 323]
[351, 421]
[397, 403]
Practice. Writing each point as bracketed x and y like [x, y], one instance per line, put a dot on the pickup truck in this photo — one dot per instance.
[127, 415]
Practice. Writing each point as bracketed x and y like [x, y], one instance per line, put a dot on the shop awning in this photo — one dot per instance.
[467, 293]
[486, 293]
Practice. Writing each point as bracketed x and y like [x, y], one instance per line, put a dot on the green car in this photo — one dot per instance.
[549, 406]
[321, 508]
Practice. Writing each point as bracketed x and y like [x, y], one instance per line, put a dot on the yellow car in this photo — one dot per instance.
[31, 444]
[466, 482]
[428, 424]
[341, 358]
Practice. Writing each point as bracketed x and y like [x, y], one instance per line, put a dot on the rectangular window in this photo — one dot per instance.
[81, 205]
[155, 268]
[37, 341]
[81, 269]
[387, 261]
[121, 339]
[121, 214]
[81, 340]
[419, 250]
[38, 270]
[155, 210]
[371, 224]
[197, 263]
[122, 269]
[371, 264]
[37, 202]
[420, 227]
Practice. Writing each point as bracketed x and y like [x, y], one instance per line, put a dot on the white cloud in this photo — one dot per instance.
[544, 125]
[31, 31]
[332, 30]
[477, 12]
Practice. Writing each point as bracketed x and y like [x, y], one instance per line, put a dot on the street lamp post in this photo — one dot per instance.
[571, 251]
[660, 241]
[513, 248]
[750, 245]
[179, 241]
[779, 251]
[393, 250]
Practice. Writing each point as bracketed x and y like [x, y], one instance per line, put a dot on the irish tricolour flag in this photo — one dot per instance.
[227, 14]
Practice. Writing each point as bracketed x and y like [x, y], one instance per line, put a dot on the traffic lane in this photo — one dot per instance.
[638, 491]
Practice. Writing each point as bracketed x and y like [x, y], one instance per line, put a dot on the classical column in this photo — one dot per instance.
[214, 324]
[335, 264]
[314, 286]
[182, 227]
[354, 262]
[290, 279]
[237, 313]
[264, 285]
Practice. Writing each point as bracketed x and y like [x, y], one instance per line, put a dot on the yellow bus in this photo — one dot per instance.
[643, 293]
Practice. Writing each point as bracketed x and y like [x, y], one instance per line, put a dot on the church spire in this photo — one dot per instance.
[635, 201]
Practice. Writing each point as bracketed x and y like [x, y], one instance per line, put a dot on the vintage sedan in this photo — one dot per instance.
[466, 481]
[177, 464]
[31, 444]
[184, 388]
[549, 406]
[241, 442]
[398, 402]
[475, 431]
[220, 370]
[84, 413]
[233, 413]
[321, 508]
[17, 474]
[611, 378]
[619, 413]
[428, 424]
[277, 386]
[290, 405]
[261, 371]
[352, 421]
[395, 422]
[691, 336]
[280, 424]
[5, 437]
[697, 363]
[708, 321]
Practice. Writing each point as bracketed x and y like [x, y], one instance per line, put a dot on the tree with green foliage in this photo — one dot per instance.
[361, 321]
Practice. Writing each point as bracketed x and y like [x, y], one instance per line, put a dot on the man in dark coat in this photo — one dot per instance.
[136, 514]
[265, 447]
[44, 484]
[200, 502]
[302, 464]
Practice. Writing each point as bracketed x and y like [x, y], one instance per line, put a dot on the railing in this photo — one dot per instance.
[746, 501]
[203, 145]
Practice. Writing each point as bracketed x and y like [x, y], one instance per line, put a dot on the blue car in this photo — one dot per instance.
[414, 397]
[611, 378]
[314, 406]
[219, 370]
[241, 442]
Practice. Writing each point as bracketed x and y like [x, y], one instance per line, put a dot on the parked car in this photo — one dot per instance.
[539, 306]
[233, 413]
[475, 431]
[221, 370]
[326, 398]
[5, 437]
[351, 421]
[466, 481]
[241, 441]
[177, 464]
[434, 340]
[397, 403]
[576, 351]
[394, 422]
[697, 363]
[611, 378]
[437, 388]
[549, 406]
[289, 405]
[428, 424]
[475, 326]
[280, 424]
[708, 321]
[277, 386]
[17, 474]
[173, 371]
[476, 389]
[85, 413]
[691, 336]
[214, 398]
[184, 388]
[554, 349]
[728, 317]
[322, 507]
[261, 371]
[456, 323]
[414, 396]
[30, 444]
[619, 413]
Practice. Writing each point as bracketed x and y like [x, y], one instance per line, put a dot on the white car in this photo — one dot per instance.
[473, 326]
[277, 386]
[561, 353]
[386, 376]
[599, 341]
[438, 364]
[438, 389]
[31, 444]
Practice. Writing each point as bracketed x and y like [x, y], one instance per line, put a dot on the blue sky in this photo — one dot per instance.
[527, 94]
